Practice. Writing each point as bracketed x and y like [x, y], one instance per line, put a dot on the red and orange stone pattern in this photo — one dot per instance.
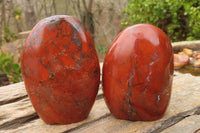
[138, 73]
[61, 70]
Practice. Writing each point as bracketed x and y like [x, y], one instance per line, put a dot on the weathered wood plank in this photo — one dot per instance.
[184, 102]
[15, 114]
[98, 111]
[188, 125]
[12, 93]
[9, 113]
[20, 117]
[112, 125]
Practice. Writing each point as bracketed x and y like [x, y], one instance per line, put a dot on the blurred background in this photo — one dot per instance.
[104, 19]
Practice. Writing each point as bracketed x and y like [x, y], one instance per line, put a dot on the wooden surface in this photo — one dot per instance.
[182, 116]
[179, 46]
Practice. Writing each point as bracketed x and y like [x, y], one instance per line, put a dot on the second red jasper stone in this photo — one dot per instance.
[138, 73]
[60, 70]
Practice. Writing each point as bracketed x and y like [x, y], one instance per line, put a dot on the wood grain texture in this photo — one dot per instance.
[98, 111]
[20, 117]
[184, 103]
[12, 93]
[188, 125]
[15, 112]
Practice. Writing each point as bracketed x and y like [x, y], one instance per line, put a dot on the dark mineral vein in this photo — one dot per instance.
[158, 99]
[155, 59]
[132, 110]
[43, 65]
[131, 106]
[51, 42]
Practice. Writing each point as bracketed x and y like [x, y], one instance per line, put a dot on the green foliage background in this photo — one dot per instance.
[101, 49]
[179, 19]
[9, 36]
[11, 69]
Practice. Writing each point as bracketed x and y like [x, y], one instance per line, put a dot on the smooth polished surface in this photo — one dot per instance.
[61, 70]
[138, 73]
[180, 60]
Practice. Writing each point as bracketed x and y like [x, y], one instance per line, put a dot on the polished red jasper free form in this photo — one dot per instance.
[138, 73]
[60, 70]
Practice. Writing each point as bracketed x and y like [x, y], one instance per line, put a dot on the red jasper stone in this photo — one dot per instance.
[60, 70]
[138, 73]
